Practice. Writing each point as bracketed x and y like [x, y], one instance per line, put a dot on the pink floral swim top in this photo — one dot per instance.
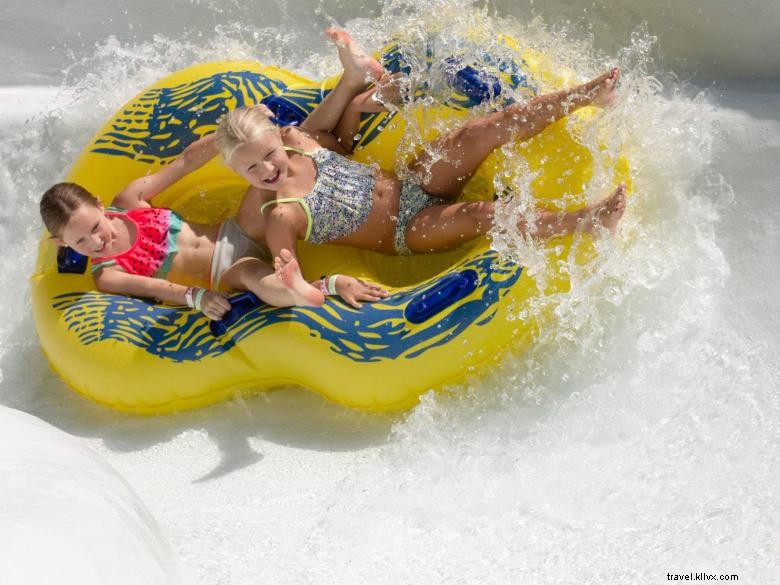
[155, 242]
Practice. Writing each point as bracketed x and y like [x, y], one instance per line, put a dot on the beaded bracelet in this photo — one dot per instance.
[199, 297]
[327, 284]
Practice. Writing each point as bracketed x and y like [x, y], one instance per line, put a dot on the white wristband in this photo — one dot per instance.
[198, 298]
[188, 297]
[332, 284]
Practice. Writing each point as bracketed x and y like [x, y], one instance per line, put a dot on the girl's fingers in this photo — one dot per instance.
[265, 110]
[369, 296]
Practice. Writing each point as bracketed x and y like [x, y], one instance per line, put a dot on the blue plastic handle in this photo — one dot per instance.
[479, 86]
[240, 305]
[286, 113]
[444, 293]
[71, 262]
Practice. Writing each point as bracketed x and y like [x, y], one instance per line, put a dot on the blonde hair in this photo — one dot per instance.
[242, 126]
[59, 203]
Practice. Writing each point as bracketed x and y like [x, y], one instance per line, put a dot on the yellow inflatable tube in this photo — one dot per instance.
[446, 319]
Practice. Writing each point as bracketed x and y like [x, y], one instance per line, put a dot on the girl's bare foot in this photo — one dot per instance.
[607, 212]
[289, 272]
[359, 67]
[602, 89]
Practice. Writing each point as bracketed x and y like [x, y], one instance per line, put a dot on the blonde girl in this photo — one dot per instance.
[308, 190]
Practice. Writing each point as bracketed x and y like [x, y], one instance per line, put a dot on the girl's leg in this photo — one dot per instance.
[443, 227]
[387, 89]
[445, 168]
[289, 272]
[249, 217]
[347, 127]
[283, 287]
[359, 69]
[606, 213]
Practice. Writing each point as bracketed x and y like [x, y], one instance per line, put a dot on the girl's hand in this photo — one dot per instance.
[353, 290]
[214, 305]
[265, 110]
[389, 90]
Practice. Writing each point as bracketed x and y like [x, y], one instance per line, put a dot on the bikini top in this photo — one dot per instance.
[154, 247]
[341, 199]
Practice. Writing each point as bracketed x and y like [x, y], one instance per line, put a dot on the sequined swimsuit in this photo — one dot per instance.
[342, 197]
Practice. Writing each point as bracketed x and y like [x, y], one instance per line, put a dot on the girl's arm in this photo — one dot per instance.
[389, 88]
[282, 228]
[115, 281]
[281, 234]
[139, 192]
[349, 123]
[334, 123]
[326, 116]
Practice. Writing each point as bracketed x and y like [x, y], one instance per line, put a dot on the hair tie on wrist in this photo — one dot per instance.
[324, 285]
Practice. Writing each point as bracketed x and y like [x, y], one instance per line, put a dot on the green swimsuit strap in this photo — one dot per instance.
[301, 201]
[98, 265]
[308, 153]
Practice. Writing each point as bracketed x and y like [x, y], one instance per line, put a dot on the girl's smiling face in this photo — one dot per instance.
[88, 231]
[263, 162]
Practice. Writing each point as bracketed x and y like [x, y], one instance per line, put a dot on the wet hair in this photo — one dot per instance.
[242, 126]
[59, 203]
